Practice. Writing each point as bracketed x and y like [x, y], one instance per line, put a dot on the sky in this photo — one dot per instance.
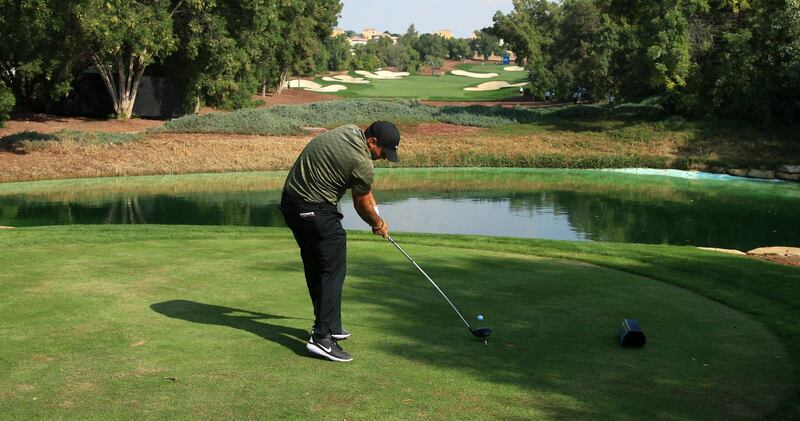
[460, 16]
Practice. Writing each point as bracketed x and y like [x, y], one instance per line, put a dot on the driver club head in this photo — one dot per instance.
[483, 332]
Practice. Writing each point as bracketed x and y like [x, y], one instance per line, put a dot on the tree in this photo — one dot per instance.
[411, 37]
[339, 52]
[434, 63]
[380, 46]
[403, 57]
[220, 44]
[531, 30]
[121, 38]
[459, 48]
[487, 44]
[365, 58]
[38, 54]
[655, 44]
[296, 36]
[586, 45]
[431, 45]
[6, 103]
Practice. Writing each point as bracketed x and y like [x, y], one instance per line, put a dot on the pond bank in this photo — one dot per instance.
[59, 148]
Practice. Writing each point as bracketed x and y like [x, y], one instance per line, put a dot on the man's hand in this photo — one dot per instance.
[382, 229]
[367, 209]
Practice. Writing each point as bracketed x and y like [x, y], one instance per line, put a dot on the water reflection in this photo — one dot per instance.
[577, 205]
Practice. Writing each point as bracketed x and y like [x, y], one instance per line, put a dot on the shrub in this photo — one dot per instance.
[478, 116]
[27, 141]
[290, 119]
[7, 102]
[247, 121]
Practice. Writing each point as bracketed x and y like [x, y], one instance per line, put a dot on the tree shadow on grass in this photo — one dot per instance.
[553, 335]
[19, 143]
[250, 321]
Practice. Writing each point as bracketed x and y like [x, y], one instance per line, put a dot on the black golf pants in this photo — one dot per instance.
[317, 228]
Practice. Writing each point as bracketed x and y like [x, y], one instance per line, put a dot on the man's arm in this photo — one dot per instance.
[366, 208]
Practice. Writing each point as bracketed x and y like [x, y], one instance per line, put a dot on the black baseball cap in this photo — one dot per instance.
[388, 137]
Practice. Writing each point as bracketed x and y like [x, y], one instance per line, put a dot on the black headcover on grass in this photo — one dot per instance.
[631, 334]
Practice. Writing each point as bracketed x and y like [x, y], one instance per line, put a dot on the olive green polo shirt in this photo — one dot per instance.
[330, 164]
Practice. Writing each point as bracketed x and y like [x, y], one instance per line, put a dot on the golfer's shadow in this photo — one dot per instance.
[250, 321]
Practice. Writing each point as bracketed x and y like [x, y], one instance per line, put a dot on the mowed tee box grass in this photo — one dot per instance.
[447, 87]
[210, 322]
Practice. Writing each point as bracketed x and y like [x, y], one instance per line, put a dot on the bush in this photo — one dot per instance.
[290, 119]
[247, 121]
[27, 141]
[7, 102]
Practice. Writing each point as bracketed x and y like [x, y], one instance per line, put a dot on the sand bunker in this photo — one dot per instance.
[493, 86]
[382, 74]
[514, 69]
[313, 86]
[302, 83]
[475, 75]
[345, 79]
[329, 88]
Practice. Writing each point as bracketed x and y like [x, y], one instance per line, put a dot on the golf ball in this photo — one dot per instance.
[480, 317]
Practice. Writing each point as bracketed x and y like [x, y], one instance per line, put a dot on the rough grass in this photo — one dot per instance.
[186, 322]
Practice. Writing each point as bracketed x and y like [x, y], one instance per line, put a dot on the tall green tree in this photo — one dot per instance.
[365, 58]
[296, 36]
[38, 50]
[587, 42]
[220, 43]
[410, 37]
[531, 31]
[403, 57]
[339, 53]
[7, 102]
[431, 45]
[122, 38]
[459, 48]
[486, 44]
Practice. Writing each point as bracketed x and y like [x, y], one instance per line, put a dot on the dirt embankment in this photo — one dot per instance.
[179, 153]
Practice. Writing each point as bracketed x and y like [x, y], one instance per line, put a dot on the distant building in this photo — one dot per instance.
[368, 33]
[357, 40]
[444, 33]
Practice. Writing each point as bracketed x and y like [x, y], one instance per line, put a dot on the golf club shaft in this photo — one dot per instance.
[430, 280]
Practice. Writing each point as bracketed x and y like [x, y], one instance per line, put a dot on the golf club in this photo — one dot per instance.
[482, 333]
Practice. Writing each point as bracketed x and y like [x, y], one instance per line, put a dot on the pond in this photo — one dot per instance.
[551, 204]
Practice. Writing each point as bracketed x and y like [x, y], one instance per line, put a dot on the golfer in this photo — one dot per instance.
[330, 164]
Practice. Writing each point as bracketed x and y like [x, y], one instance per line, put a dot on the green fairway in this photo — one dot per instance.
[196, 323]
[447, 87]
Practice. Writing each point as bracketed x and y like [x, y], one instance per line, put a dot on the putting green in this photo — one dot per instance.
[187, 323]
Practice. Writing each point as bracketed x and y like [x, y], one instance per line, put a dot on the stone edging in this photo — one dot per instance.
[782, 172]
[776, 250]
